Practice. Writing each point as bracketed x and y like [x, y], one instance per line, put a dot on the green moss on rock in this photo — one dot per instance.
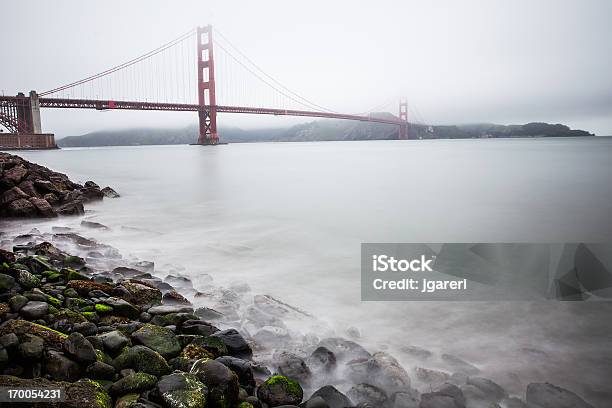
[100, 308]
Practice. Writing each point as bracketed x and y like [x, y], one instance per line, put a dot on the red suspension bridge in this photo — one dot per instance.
[163, 80]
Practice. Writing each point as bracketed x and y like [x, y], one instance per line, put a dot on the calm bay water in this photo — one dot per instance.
[289, 218]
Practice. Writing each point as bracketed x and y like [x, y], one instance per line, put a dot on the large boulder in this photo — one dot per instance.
[11, 195]
[34, 310]
[333, 397]
[21, 208]
[235, 343]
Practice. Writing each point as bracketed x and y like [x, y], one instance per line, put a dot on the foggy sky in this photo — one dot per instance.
[456, 61]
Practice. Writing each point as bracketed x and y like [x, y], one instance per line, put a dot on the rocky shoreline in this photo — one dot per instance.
[75, 314]
[29, 190]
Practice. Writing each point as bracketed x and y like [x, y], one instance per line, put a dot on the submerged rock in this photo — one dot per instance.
[545, 395]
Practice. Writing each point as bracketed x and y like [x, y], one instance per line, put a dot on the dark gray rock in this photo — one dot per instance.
[545, 395]
[141, 358]
[222, 383]
[100, 371]
[182, 390]
[235, 343]
[34, 310]
[78, 347]
[61, 368]
[133, 383]
[113, 341]
[368, 394]
[333, 397]
[31, 347]
[160, 339]
[6, 282]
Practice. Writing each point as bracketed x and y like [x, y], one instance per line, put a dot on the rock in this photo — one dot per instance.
[142, 358]
[174, 297]
[83, 287]
[128, 401]
[206, 313]
[333, 397]
[380, 370]
[198, 327]
[34, 310]
[165, 309]
[122, 307]
[235, 343]
[61, 368]
[51, 337]
[545, 395]
[416, 352]
[279, 390]
[71, 208]
[182, 390]
[292, 366]
[109, 192]
[322, 359]
[368, 394]
[242, 368]
[43, 207]
[15, 174]
[51, 199]
[27, 280]
[513, 402]
[21, 208]
[100, 371]
[133, 383]
[27, 186]
[91, 193]
[222, 383]
[459, 366]
[81, 394]
[11, 195]
[6, 283]
[489, 391]
[405, 400]
[432, 378]
[77, 346]
[92, 184]
[435, 400]
[9, 340]
[94, 225]
[160, 339]
[141, 294]
[344, 350]
[31, 347]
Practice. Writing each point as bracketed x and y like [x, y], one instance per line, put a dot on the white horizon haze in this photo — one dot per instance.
[472, 61]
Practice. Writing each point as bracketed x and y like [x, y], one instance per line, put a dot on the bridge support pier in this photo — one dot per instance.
[403, 116]
[207, 113]
[20, 115]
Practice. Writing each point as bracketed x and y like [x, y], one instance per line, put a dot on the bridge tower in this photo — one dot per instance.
[206, 88]
[403, 116]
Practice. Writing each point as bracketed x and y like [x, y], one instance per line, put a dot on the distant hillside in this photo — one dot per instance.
[319, 130]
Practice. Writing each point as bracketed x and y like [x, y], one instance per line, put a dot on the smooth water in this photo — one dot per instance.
[288, 219]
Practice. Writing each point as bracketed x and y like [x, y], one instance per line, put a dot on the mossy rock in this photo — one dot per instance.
[103, 309]
[195, 352]
[37, 264]
[54, 301]
[182, 390]
[142, 359]
[127, 401]
[71, 293]
[91, 316]
[212, 344]
[70, 274]
[27, 279]
[280, 390]
[52, 338]
[103, 357]
[72, 261]
[245, 404]
[20, 266]
[160, 339]
[136, 382]
[69, 315]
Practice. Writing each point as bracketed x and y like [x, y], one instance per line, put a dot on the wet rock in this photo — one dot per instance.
[78, 347]
[488, 391]
[51, 337]
[94, 225]
[182, 390]
[83, 287]
[141, 294]
[206, 313]
[142, 358]
[513, 402]
[435, 400]
[71, 208]
[279, 390]
[34, 310]
[242, 368]
[368, 394]
[15, 174]
[133, 383]
[235, 343]
[322, 359]
[344, 350]
[122, 307]
[165, 309]
[380, 370]
[333, 397]
[292, 366]
[432, 378]
[458, 365]
[61, 368]
[9, 340]
[222, 383]
[405, 400]
[109, 192]
[128, 401]
[160, 339]
[546, 395]
[198, 327]
[173, 297]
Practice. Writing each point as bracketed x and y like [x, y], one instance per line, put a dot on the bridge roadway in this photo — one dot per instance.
[160, 106]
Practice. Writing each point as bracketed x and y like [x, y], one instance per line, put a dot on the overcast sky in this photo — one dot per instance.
[456, 61]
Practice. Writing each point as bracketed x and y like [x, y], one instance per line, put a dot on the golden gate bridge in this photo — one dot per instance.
[163, 80]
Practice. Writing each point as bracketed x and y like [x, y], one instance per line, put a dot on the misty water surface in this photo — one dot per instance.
[289, 219]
